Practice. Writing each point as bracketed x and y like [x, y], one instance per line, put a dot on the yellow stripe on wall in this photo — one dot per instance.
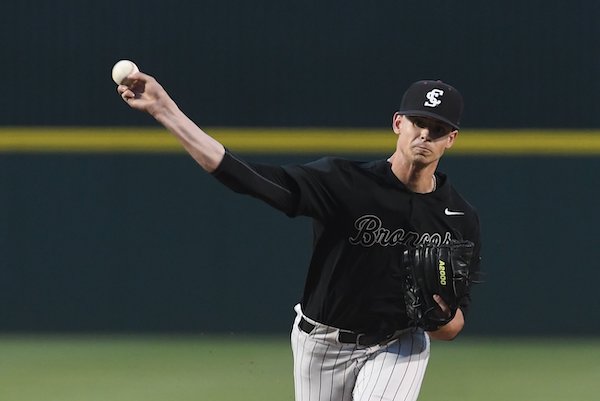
[293, 141]
[528, 142]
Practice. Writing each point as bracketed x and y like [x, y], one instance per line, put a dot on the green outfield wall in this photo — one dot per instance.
[130, 235]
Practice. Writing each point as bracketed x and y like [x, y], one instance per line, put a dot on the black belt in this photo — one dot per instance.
[350, 337]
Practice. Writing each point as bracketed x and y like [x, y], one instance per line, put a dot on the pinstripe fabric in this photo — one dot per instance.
[326, 370]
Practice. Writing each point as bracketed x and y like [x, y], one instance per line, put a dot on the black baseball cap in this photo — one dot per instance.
[435, 99]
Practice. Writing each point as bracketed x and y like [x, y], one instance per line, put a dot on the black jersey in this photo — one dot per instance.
[363, 219]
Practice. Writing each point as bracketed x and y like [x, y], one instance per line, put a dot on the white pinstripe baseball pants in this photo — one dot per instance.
[327, 370]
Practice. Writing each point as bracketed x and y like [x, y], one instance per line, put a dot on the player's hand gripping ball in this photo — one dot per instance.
[121, 70]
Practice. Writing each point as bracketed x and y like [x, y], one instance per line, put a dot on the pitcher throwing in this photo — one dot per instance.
[364, 320]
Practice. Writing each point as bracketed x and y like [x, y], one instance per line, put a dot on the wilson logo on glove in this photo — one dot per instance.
[442, 269]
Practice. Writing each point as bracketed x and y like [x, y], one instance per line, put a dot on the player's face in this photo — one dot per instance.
[422, 140]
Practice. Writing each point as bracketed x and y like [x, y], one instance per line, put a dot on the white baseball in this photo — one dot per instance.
[122, 69]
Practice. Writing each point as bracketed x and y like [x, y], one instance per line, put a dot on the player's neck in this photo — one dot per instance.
[418, 178]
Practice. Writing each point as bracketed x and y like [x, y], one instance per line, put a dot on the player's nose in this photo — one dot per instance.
[424, 134]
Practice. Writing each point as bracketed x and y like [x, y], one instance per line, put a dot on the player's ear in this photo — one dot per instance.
[451, 138]
[396, 120]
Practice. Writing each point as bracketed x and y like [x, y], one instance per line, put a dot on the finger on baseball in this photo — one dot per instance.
[124, 90]
[127, 94]
[132, 81]
[139, 76]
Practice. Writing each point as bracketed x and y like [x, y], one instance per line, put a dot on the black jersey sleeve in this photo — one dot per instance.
[268, 183]
[321, 186]
[307, 189]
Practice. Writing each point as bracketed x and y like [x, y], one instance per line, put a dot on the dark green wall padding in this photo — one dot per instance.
[149, 242]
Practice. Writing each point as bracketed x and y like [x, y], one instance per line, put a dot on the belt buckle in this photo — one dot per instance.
[358, 337]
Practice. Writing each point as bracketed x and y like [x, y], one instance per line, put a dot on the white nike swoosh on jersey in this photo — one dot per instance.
[449, 212]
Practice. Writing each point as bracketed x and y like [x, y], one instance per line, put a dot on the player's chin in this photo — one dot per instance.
[423, 158]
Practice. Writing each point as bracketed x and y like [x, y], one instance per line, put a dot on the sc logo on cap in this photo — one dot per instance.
[432, 98]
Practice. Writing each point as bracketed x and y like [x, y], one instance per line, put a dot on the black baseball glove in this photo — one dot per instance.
[436, 269]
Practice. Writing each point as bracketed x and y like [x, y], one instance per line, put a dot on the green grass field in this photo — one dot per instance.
[139, 368]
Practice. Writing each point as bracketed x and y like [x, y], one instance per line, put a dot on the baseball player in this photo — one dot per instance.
[352, 338]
